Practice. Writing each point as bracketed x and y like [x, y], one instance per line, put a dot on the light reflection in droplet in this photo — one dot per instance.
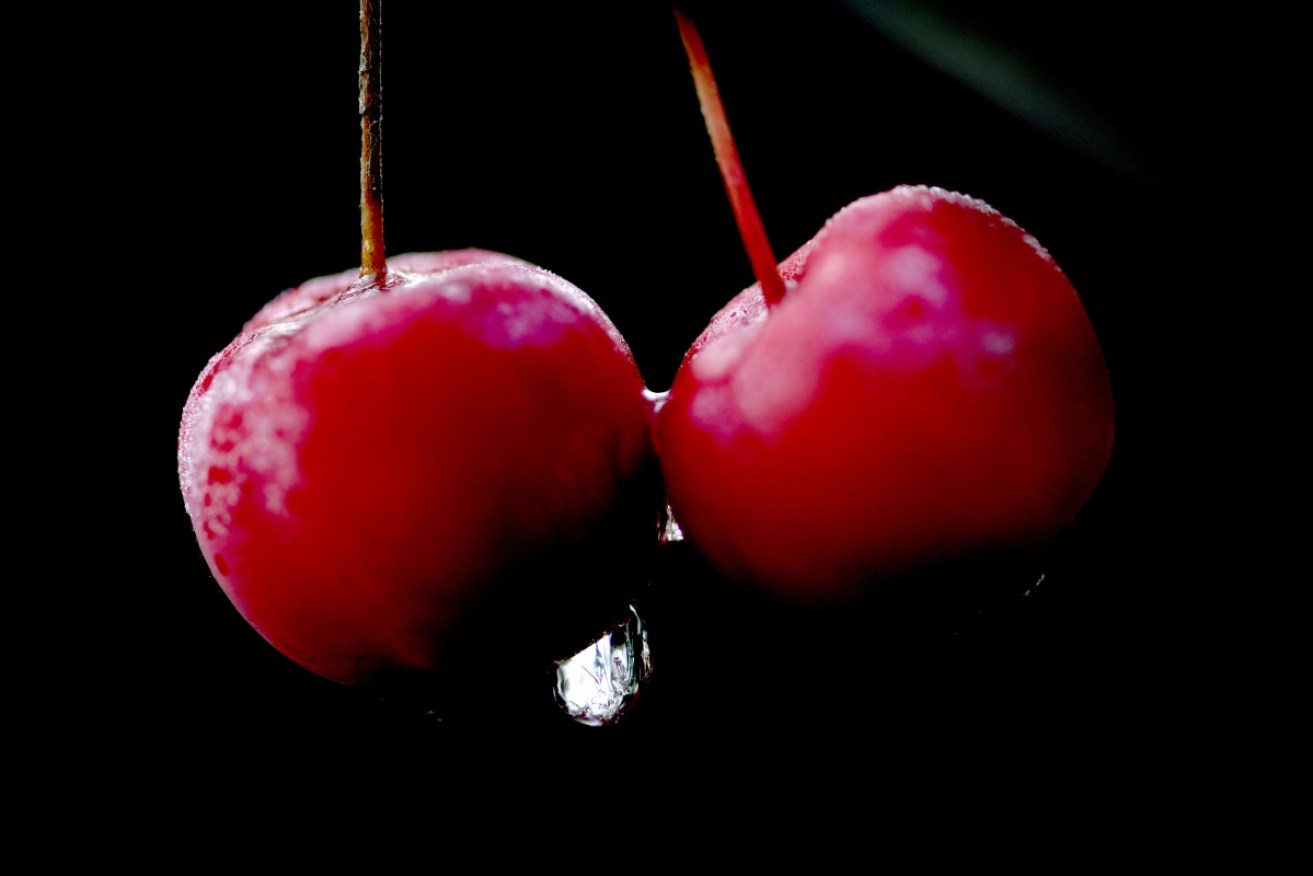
[598, 685]
[657, 400]
[670, 530]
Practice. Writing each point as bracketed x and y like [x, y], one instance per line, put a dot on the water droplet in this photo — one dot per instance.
[657, 400]
[670, 530]
[598, 685]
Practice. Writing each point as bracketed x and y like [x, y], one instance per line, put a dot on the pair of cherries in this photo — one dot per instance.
[390, 473]
[371, 464]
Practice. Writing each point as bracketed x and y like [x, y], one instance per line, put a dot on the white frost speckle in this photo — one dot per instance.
[914, 268]
[717, 359]
[999, 343]
[456, 291]
[1038, 247]
[275, 499]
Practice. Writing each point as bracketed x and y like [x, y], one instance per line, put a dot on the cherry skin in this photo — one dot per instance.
[370, 466]
[929, 389]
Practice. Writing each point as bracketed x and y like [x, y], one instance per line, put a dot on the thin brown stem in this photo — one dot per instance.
[373, 254]
[731, 168]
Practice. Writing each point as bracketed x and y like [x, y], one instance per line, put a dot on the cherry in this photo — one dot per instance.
[366, 472]
[387, 470]
[927, 389]
[931, 387]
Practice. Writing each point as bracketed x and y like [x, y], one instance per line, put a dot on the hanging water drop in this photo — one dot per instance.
[599, 685]
[670, 530]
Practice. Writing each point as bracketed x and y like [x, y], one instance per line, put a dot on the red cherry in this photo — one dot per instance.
[930, 389]
[369, 466]
[390, 471]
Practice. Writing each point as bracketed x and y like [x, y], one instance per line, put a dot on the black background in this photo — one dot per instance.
[571, 137]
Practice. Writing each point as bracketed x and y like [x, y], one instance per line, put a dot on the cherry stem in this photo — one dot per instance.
[731, 168]
[373, 255]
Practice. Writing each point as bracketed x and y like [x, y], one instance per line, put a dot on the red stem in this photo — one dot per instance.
[373, 255]
[731, 168]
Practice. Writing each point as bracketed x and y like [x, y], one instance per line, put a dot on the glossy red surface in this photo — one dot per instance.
[930, 389]
[362, 465]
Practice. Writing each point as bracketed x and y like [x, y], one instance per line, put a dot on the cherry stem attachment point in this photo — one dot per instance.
[373, 254]
[731, 168]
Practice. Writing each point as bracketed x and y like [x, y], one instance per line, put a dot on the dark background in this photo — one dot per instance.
[571, 137]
